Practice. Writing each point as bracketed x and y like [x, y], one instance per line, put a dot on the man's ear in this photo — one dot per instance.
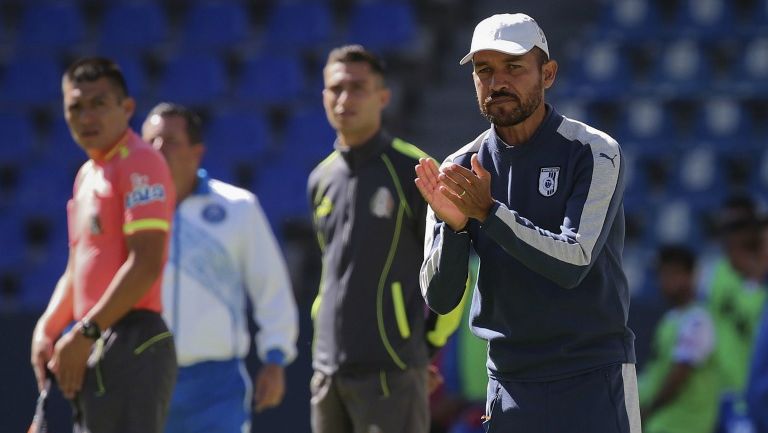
[549, 73]
[129, 105]
[199, 150]
[384, 96]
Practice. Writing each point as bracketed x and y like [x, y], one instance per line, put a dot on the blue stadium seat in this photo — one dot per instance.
[281, 189]
[237, 135]
[751, 72]
[759, 179]
[308, 137]
[37, 284]
[14, 243]
[51, 26]
[271, 80]
[43, 269]
[44, 188]
[759, 18]
[298, 26]
[19, 138]
[603, 72]
[60, 146]
[726, 123]
[646, 127]
[628, 20]
[193, 79]
[133, 70]
[31, 81]
[636, 263]
[133, 26]
[215, 26]
[704, 19]
[382, 26]
[636, 178]
[699, 178]
[682, 71]
[574, 109]
[5, 34]
[676, 223]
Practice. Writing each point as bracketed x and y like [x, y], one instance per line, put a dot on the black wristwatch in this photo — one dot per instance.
[90, 329]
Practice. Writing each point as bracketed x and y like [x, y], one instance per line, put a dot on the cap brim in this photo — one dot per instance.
[506, 47]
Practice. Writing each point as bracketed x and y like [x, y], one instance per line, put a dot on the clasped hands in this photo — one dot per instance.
[455, 193]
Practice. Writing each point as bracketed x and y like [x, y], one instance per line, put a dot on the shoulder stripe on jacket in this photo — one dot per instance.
[605, 174]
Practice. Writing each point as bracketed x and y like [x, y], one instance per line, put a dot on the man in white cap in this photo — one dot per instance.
[538, 196]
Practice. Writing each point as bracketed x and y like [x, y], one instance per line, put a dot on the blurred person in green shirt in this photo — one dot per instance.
[678, 389]
[737, 291]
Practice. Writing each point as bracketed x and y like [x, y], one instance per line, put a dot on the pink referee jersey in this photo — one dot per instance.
[128, 190]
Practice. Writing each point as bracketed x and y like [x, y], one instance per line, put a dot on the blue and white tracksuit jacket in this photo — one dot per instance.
[222, 249]
[552, 298]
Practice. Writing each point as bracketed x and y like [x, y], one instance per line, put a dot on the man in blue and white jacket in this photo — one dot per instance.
[221, 250]
[539, 197]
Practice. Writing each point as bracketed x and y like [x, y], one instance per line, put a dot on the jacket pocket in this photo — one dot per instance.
[400, 314]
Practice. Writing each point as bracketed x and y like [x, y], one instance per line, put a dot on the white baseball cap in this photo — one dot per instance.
[514, 34]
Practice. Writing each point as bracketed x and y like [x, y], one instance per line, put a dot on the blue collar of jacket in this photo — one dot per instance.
[201, 185]
[356, 156]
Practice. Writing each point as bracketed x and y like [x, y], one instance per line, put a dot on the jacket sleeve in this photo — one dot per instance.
[444, 271]
[269, 287]
[594, 203]
[441, 326]
[438, 326]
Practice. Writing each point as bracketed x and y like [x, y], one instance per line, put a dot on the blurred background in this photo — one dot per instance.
[682, 85]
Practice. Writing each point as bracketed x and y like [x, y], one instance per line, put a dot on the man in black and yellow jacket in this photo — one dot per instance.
[373, 335]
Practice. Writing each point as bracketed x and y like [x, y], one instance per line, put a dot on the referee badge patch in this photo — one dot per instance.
[548, 177]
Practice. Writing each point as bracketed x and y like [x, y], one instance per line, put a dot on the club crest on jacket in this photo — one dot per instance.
[382, 203]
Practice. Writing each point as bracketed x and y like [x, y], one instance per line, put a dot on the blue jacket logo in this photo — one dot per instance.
[214, 213]
[548, 177]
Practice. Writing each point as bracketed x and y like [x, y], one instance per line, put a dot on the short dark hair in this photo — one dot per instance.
[89, 69]
[356, 53]
[676, 255]
[193, 121]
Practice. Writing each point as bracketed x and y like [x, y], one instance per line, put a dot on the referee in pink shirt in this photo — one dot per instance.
[117, 364]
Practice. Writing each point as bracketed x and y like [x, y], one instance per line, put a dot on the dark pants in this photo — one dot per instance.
[600, 401]
[129, 380]
[384, 402]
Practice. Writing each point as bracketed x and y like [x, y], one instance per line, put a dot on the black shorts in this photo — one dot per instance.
[130, 378]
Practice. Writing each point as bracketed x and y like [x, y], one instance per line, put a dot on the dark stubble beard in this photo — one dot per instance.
[518, 114]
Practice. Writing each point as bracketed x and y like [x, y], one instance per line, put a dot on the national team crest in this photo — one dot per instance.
[548, 178]
[382, 203]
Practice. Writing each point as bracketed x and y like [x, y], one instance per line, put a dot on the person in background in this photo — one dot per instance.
[222, 253]
[679, 386]
[757, 384]
[117, 364]
[373, 339]
[538, 197]
[736, 291]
